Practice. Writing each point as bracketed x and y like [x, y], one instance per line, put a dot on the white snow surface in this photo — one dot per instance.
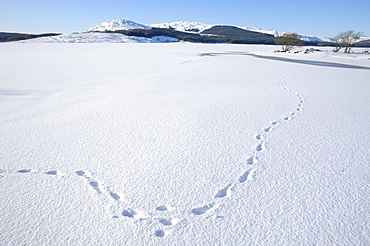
[118, 24]
[182, 144]
[96, 37]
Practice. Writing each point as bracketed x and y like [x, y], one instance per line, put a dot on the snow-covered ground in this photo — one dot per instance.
[96, 37]
[182, 144]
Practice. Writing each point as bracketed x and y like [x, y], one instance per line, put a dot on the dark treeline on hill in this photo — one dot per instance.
[216, 34]
[364, 43]
[239, 36]
[9, 37]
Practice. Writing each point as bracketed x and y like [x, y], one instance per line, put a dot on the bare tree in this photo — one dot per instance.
[346, 40]
[288, 41]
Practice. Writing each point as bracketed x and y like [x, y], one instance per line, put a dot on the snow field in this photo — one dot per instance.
[142, 144]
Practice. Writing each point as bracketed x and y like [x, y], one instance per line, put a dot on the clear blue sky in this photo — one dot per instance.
[324, 17]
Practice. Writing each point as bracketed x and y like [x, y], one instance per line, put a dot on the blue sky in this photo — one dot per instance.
[324, 17]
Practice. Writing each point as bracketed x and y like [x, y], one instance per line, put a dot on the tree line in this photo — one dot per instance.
[344, 40]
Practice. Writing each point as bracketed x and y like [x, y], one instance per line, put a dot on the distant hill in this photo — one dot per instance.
[216, 34]
[363, 43]
[9, 37]
[172, 32]
[184, 26]
[118, 24]
[192, 27]
[237, 35]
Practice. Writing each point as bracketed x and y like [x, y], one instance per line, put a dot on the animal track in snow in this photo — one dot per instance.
[130, 213]
[204, 209]
[268, 129]
[259, 137]
[252, 160]
[80, 173]
[99, 187]
[159, 233]
[224, 192]
[162, 208]
[165, 223]
[168, 226]
[246, 176]
[115, 196]
[24, 170]
[260, 147]
[95, 186]
[54, 172]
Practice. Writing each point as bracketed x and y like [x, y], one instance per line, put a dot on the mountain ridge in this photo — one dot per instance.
[191, 27]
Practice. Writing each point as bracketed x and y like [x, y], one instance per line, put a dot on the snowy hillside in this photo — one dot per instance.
[261, 30]
[118, 24]
[314, 38]
[99, 38]
[187, 26]
[184, 26]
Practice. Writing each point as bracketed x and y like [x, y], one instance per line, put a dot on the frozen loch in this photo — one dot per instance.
[182, 144]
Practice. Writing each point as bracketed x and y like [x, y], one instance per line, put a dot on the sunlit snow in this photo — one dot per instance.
[183, 144]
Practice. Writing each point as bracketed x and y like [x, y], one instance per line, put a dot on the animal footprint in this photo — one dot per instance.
[80, 173]
[162, 208]
[268, 129]
[53, 172]
[246, 176]
[259, 137]
[24, 171]
[95, 185]
[115, 196]
[168, 227]
[204, 209]
[260, 147]
[288, 118]
[133, 214]
[252, 160]
[224, 192]
[159, 233]
[165, 222]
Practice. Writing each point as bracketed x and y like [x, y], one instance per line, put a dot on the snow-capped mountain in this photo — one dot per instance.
[314, 38]
[261, 30]
[118, 24]
[184, 26]
[197, 27]
[191, 27]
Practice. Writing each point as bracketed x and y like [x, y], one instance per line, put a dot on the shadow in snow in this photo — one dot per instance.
[307, 62]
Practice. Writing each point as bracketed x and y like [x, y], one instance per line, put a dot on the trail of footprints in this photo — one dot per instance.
[167, 225]
[252, 160]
